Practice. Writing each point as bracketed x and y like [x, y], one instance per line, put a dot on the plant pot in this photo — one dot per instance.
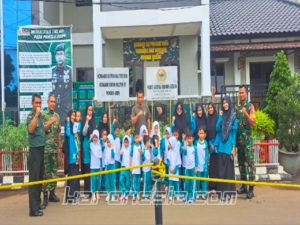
[289, 161]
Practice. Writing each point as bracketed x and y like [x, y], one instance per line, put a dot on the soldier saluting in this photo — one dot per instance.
[245, 115]
[62, 82]
[52, 128]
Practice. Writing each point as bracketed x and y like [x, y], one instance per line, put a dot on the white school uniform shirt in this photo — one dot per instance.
[167, 144]
[147, 160]
[117, 148]
[190, 157]
[174, 157]
[126, 155]
[75, 128]
[179, 149]
[109, 160]
[183, 157]
[201, 151]
[96, 152]
[136, 159]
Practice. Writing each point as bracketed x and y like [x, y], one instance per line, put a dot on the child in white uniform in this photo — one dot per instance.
[146, 158]
[110, 165]
[124, 182]
[156, 153]
[165, 148]
[173, 162]
[202, 151]
[191, 166]
[136, 155]
[94, 147]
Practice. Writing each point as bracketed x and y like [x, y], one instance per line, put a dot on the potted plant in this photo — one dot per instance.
[264, 126]
[288, 133]
[262, 131]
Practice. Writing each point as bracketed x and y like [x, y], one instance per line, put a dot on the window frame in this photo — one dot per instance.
[87, 3]
[215, 76]
[85, 72]
[133, 64]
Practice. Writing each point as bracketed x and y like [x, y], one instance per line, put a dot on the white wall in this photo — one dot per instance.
[51, 12]
[80, 17]
[188, 60]
[113, 53]
[82, 57]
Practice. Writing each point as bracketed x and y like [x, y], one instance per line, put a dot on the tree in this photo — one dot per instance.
[288, 108]
[280, 79]
[10, 95]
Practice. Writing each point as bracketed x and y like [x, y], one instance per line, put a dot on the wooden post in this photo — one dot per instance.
[24, 110]
[109, 114]
[190, 103]
[152, 111]
[170, 106]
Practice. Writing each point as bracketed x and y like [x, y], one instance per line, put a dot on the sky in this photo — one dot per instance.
[16, 13]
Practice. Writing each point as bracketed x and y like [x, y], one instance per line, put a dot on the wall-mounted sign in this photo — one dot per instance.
[160, 82]
[151, 49]
[112, 84]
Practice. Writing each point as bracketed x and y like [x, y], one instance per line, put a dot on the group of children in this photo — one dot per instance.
[108, 152]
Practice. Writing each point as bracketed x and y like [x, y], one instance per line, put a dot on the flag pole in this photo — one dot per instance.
[190, 103]
[2, 57]
[170, 104]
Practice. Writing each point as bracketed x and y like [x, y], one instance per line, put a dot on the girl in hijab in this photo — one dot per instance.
[110, 165]
[226, 128]
[87, 128]
[199, 119]
[165, 149]
[124, 183]
[103, 124]
[143, 132]
[180, 119]
[96, 163]
[156, 131]
[211, 137]
[72, 187]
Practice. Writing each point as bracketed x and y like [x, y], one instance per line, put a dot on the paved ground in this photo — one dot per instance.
[271, 205]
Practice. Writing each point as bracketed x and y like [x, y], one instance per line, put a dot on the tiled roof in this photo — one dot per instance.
[240, 17]
[254, 46]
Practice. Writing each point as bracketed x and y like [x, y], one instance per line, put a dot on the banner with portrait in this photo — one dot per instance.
[162, 83]
[45, 67]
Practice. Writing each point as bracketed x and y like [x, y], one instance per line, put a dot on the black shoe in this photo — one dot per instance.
[250, 194]
[242, 190]
[45, 200]
[37, 213]
[52, 197]
[41, 207]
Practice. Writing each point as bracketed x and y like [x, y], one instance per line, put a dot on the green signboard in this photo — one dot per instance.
[45, 67]
[83, 94]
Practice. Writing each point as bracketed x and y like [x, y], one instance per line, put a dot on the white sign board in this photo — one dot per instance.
[112, 84]
[160, 81]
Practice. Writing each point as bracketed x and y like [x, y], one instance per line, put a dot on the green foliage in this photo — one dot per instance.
[288, 108]
[264, 125]
[280, 79]
[13, 138]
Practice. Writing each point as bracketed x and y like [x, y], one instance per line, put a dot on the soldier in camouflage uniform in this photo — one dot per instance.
[52, 128]
[245, 115]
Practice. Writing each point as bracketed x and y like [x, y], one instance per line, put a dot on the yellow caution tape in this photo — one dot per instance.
[231, 181]
[158, 169]
[74, 177]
